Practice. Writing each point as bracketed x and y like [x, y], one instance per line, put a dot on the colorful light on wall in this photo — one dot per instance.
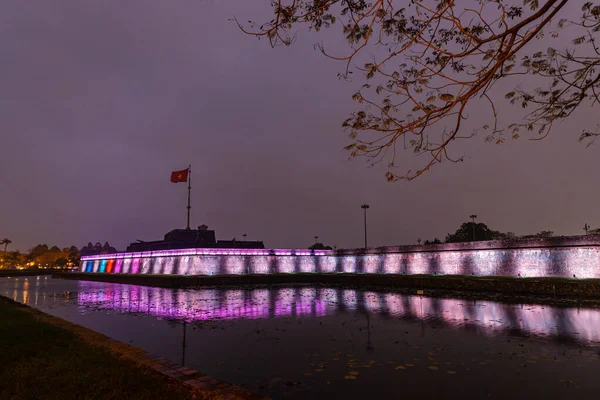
[566, 262]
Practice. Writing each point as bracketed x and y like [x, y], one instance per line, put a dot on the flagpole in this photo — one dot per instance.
[189, 194]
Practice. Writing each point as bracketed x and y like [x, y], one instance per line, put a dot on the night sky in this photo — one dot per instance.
[100, 101]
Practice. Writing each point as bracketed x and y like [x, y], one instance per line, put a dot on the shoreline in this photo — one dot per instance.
[136, 360]
[7, 273]
[555, 288]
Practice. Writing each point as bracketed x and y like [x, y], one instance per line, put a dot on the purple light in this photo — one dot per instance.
[209, 304]
[118, 266]
[214, 252]
[349, 264]
[567, 262]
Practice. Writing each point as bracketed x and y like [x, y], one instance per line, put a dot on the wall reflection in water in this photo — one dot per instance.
[490, 318]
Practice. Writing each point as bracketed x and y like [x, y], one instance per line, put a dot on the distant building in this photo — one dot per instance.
[193, 238]
[319, 246]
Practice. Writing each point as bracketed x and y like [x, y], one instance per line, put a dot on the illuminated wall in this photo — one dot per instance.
[573, 257]
[213, 304]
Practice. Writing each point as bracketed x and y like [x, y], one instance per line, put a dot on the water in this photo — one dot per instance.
[322, 343]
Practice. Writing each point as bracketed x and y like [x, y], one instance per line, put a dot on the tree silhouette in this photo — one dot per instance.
[39, 250]
[5, 242]
[470, 231]
[13, 258]
[539, 235]
[426, 62]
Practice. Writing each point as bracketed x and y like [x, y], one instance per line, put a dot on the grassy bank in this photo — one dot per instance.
[24, 272]
[553, 287]
[42, 357]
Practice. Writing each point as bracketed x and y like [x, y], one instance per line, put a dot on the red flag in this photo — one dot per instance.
[180, 176]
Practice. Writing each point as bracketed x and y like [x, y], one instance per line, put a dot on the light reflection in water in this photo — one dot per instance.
[25, 291]
[582, 325]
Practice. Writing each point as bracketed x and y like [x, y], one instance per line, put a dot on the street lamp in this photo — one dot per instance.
[244, 236]
[316, 239]
[586, 227]
[473, 216]
[365, 207]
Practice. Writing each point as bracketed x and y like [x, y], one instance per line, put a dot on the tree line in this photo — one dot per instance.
[44, 256]
[478, 231]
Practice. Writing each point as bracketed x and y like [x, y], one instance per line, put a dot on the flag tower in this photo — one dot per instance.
[184, 175]
[189, 207]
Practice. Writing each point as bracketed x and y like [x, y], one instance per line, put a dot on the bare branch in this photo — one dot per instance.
[442, 57]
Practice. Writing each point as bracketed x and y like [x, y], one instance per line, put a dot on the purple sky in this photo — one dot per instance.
[100, 101]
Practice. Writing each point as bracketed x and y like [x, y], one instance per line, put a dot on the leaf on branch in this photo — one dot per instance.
[446, 97]
[431, 99]
[533, 4]
[509, 95]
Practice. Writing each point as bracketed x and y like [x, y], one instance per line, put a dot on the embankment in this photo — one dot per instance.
[24, 272]
[554, 287]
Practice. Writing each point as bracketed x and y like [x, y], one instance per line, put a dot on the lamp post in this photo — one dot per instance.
[316, 239]
[365, 207]
[473, 216]
[586, 227]
[244, 236]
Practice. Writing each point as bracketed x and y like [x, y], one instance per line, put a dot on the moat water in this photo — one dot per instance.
[323, 343]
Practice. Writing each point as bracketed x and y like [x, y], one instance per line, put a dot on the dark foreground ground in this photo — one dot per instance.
[43, 357]
[319, 343]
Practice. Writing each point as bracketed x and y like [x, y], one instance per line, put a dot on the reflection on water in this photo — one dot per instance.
[304, 342]
[205, 304]
[581, 325]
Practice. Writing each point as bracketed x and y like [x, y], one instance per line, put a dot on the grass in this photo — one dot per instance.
[26, 272]
[40, 359]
